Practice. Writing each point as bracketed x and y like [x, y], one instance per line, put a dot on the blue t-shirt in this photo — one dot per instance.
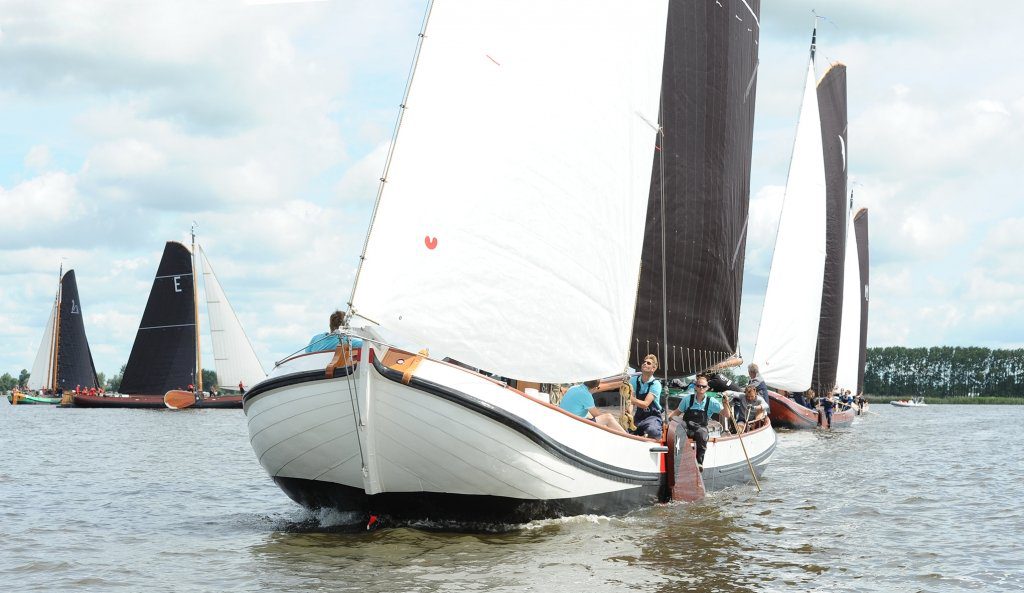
[654, 386]
[690, 401]
[578, 400]
[330, 341]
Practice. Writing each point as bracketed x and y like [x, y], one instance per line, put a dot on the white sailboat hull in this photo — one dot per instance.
[450, 443]
[725, 463]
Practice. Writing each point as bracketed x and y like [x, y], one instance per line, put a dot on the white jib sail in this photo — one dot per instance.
[788, 333]
[42, 368]
[509, 231]
[849, 333]
[233, 355]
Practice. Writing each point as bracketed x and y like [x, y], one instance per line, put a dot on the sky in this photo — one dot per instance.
[266, 124]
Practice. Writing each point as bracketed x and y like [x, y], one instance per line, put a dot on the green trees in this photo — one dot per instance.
[209, 379]
[944, 371]
[7, 382]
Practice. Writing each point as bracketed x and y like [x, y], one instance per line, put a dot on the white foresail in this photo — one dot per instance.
[788, 332]
[509, 231]
[849, 334]
[42, 368]
[234, 358]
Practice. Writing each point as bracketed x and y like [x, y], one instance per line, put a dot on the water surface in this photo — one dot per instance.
[925, 499]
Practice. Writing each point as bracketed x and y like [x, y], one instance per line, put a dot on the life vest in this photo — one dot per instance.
[697, 415]
[642, 390]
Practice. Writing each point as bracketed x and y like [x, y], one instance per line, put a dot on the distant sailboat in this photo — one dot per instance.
[798, 336]
[165, 357]
[63, 361]
[788, 331]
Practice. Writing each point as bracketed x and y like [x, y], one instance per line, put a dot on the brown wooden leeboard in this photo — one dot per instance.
[177, 399]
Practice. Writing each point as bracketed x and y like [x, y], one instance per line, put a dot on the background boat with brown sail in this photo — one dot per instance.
[63, 361]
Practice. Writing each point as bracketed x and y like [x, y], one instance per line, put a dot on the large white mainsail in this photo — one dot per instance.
[788, 332]
[509, 231]
[42, 368]
[233, 354]
[849, 334]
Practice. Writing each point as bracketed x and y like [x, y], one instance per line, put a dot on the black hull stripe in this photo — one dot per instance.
[459, 508]
[525, 428]
[291, 379]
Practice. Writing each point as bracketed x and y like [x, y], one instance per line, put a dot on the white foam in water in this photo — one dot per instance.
[335, 518]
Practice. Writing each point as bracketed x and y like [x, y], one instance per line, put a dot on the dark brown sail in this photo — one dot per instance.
[860, 227]
[832, 111]
[164, 353]
[703, 164]
[75, 367]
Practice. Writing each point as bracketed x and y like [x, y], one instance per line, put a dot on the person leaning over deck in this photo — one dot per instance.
[330, 340]
[696, 410]
[748, 408]
[757, 381]
[579, 400]
[646, 398]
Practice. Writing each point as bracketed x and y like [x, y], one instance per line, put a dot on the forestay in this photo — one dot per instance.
[507, 234]
[234, 357]
[789, 320]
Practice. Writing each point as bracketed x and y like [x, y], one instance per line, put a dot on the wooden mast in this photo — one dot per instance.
[55, 344]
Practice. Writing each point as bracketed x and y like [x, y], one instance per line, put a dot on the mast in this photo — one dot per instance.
[55, 345]
[195, 302]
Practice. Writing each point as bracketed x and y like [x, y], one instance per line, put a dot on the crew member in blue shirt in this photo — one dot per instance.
[579, 400]
[696, 410]
[330, 340]
[646, 399]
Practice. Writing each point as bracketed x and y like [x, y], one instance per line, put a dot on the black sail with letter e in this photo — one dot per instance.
[164, 354]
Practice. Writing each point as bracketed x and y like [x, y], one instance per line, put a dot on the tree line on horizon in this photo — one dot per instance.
[944, 371]
[9, 382]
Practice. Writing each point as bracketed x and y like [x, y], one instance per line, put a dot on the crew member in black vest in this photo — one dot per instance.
[696, 410]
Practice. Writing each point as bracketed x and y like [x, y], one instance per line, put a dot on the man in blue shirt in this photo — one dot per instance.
[646, 399]
[579, 400]
[330, 340]
[696, 410]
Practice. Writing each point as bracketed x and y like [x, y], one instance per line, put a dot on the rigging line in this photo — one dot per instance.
[750, 83]
[353, 399]
[664, 265]
[752, 13]
[391, 149]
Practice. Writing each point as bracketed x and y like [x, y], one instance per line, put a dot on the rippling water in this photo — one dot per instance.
[134, 500]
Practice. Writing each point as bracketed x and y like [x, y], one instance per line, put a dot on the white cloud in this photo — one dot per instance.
[39, 205]
[38, 158]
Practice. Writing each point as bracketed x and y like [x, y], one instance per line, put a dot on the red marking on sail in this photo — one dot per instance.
[430, 242]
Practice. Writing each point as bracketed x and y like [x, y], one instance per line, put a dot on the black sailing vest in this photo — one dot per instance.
[652, 410]
[696, 414]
